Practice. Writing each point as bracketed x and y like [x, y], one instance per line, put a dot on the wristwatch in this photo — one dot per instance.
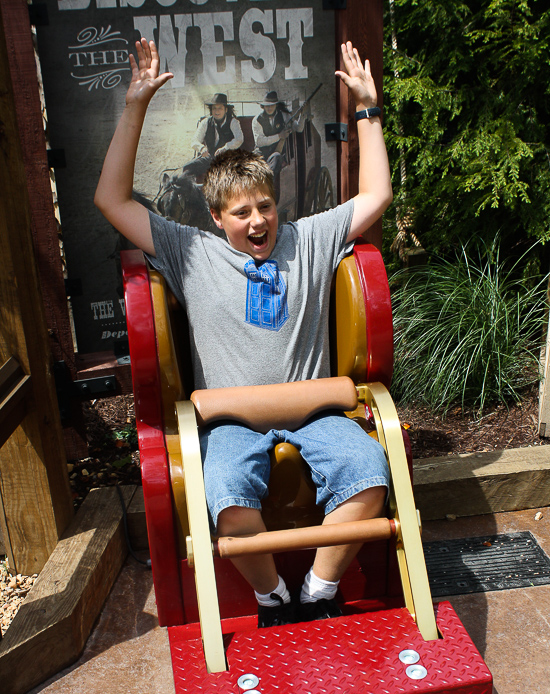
[367, 113]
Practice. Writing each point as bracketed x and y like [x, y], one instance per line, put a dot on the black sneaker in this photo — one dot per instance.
[320, 609]
[277, 615]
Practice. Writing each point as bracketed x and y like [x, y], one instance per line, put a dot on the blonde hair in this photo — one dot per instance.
[233, 173]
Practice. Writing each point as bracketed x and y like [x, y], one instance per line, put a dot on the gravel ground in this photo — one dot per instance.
[13, 590]
[114, 457]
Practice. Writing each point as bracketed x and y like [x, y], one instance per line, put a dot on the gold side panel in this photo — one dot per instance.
[291, 499]
[171, 383]
[177, 480]
[350, 340]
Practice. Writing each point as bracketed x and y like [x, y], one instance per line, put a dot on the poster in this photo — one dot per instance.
[240, 53]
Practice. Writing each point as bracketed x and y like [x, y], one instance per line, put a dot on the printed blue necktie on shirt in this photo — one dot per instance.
[266, 297]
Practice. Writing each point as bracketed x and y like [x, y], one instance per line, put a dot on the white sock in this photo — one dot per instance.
[266, 600]
[316, 588]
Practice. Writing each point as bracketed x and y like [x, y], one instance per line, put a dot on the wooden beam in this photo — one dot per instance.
[28, 111]
[362, 24]
[477, 483]
[51, 627]
[15, 386]
[544, 389]
[44, 225]
[34, 484]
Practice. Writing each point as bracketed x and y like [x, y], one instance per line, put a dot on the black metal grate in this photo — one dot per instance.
[482, 564]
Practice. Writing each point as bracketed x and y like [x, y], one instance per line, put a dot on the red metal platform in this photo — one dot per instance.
[354, 653]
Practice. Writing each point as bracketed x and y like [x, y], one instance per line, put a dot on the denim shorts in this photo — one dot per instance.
[344, 460]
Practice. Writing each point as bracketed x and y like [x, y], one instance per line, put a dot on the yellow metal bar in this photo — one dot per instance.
[410, 554]
[205, 578]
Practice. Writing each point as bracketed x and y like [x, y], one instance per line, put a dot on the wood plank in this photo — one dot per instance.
[362, 24]
[477, 483]
[53, 624]
[544, 389]
[44, 226]
[28, 109]
[13, 409]
[15, 386]
[34, 485]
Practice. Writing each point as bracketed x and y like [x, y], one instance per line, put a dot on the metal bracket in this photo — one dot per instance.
[95, 386]
[336, 132]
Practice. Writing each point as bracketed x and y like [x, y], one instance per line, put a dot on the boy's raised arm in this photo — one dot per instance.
[114, 191]
[375, 191]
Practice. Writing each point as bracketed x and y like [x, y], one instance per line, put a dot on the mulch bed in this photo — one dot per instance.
[112, 446]
[512, 426]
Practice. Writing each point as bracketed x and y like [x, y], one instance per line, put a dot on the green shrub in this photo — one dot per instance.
[467, 114]
[467, 332]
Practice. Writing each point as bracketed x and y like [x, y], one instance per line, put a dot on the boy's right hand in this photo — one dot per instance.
[145, 74]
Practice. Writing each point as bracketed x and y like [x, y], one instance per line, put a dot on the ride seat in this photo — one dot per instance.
[361, 348]
[381, 621]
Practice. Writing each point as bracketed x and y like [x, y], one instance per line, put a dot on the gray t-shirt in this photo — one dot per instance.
[255, 324]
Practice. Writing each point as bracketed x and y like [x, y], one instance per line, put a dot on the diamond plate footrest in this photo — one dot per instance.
[376, 652]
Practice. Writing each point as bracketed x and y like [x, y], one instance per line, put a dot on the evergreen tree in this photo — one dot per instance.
[466, 114]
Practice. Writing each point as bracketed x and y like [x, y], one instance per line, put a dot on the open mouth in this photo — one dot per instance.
[258, 240]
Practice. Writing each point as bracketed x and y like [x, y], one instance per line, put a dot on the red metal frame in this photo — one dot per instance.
[376, 294]
[157, 492]
[357, 652]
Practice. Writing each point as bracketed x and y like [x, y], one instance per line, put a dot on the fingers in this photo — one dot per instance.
[155, 62]
[143, 54]
[343, 76]
[146, 68]
[162, 79]
[133, 66]
[147, 54]
[352, 61]
[350, 56]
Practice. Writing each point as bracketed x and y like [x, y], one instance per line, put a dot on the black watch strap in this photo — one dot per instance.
[367, 113]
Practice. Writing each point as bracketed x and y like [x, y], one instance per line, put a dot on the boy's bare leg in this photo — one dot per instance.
[259, 570]
[331, 562]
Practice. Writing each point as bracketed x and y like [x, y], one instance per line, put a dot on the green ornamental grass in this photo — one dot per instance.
[467, 331]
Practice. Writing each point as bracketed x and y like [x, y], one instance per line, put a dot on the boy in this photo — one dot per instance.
[224, 285]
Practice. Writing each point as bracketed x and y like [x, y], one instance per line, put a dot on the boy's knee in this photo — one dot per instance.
[239, 520]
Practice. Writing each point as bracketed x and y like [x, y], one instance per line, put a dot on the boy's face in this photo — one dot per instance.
[250, 222]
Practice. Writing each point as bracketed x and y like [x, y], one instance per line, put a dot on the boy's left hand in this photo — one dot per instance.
[357, 78]
[145, 73]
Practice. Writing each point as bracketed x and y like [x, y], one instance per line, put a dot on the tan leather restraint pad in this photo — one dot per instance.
[279, 406]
